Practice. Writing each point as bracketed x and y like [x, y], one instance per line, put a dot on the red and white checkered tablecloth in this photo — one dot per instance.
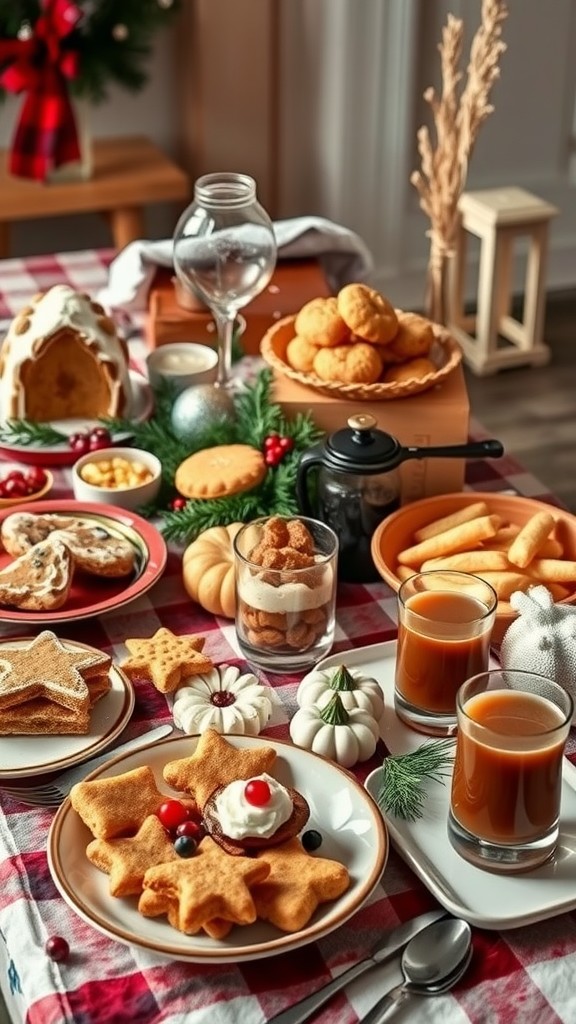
[520, 976]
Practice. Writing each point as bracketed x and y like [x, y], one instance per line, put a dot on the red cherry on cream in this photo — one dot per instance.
[257, 792]
[172, 813]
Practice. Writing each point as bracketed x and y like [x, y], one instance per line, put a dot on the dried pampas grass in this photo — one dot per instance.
[458, 116]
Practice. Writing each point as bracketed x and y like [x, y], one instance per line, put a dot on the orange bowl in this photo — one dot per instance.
[396, 532]
[42, 493]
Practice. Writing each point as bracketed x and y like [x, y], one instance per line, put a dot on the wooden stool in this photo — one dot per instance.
[493, 338]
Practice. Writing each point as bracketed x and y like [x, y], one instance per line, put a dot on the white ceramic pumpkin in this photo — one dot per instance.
[335, 733]
[355, 689]
[225, 700]
[208, 570]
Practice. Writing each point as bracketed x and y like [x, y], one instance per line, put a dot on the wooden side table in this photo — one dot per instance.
[129, 174]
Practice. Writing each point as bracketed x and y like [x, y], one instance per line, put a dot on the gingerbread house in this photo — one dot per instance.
[63, 359]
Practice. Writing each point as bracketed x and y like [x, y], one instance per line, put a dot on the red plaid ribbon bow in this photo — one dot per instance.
[45, 135]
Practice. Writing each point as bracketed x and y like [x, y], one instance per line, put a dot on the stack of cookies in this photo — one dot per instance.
[358, 337]
[210, 884]
[48, 550]
[48, 687]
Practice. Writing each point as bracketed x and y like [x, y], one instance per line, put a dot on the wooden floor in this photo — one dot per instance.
[532, 410]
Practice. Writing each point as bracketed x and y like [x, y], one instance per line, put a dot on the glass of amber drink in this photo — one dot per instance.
[507, 780]
[445, 622]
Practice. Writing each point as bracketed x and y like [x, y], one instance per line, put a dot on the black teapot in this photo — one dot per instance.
[357, 485]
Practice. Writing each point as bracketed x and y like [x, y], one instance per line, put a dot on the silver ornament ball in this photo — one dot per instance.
[198, 408]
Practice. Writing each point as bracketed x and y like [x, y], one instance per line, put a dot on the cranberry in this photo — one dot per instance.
[257, 792]
[15, 488]
[79, 443]
[96, 444]
[99, 434]
[57, 948]
[35, 478]
[178, 504]
[189, 828]
[286, 444]
[172, 813]
[271, 441]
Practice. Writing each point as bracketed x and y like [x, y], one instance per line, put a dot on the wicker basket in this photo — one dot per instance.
[446, 354]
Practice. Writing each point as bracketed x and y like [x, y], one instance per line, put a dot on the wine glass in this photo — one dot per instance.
[225, 252]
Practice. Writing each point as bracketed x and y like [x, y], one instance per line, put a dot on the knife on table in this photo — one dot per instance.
[394, 941]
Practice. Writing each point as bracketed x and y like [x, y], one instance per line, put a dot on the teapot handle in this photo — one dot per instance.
[310, 458]
[491, 449]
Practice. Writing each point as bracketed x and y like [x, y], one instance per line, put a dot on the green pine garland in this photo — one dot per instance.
[256, 418]
[113, 40]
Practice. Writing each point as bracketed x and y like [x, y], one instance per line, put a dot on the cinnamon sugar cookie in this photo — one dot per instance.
[300, 354]
[223, 470]
[414, 338]
[367, 313]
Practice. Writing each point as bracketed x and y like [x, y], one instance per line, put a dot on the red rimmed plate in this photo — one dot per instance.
[141, 409]
[347, 818]
[93, 595]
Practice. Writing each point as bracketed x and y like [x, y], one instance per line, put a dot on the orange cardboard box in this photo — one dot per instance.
[438, 416]
[293, 283]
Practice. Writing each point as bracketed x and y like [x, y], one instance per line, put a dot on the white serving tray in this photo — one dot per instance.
[481, 897]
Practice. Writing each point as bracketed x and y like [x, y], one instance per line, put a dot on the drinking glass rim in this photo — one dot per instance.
[482, 727]
[490, 610]
[236, 189]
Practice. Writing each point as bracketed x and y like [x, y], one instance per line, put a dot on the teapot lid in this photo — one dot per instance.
[361, 447]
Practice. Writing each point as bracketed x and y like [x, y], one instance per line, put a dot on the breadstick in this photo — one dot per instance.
[551, 547]
[530, 539]
[553, 570]
[505, 583]
[404, 572]
[459, 538]
[470, 561]
[463, 515]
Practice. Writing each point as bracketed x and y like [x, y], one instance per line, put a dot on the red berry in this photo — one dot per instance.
[257, 792]
[79, 443]
[189, 828]
[178, 504]
[97, 444]
[271, 441]
[14, 474]
[35, 478]
[57, 948]
[99, 434]
[172, 813]
[15, 488]
[286, 444]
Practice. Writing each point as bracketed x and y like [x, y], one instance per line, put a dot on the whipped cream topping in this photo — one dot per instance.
[241, 820]
[289, 597]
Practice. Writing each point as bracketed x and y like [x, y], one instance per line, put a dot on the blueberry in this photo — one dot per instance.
[185, 846]
[311, 840]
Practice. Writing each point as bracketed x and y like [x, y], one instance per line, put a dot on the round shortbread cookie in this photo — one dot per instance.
[367, 313]
[223, 470]
[320, 322]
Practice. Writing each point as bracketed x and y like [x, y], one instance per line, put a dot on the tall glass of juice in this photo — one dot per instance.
[445, 622]
[507, 780]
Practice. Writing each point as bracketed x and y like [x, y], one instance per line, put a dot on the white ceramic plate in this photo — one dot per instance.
[351, 826]
[141, 408]
[23, 757]
[481, 897]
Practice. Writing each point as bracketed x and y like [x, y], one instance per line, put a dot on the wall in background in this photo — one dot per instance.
[321, 100]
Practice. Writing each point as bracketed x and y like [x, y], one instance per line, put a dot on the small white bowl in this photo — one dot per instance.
[182, 363]
[130, 498]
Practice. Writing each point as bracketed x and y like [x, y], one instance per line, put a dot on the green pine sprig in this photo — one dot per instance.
[25, 433]
[404, 776]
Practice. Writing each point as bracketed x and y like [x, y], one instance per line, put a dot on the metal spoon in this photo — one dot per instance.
[432, 963]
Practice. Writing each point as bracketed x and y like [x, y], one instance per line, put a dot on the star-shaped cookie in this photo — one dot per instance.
[46, 668]
[117, 805]
[155, 904]
[166, 659]
[127, 860]
[215, 762]
[296, 885]
[211, 885]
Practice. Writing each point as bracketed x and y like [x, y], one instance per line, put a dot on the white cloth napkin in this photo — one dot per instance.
[342, 254]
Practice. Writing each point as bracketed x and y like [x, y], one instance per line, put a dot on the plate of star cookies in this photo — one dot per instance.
[66, 561]
[217, 848]
[60, 702]
[357, 345]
